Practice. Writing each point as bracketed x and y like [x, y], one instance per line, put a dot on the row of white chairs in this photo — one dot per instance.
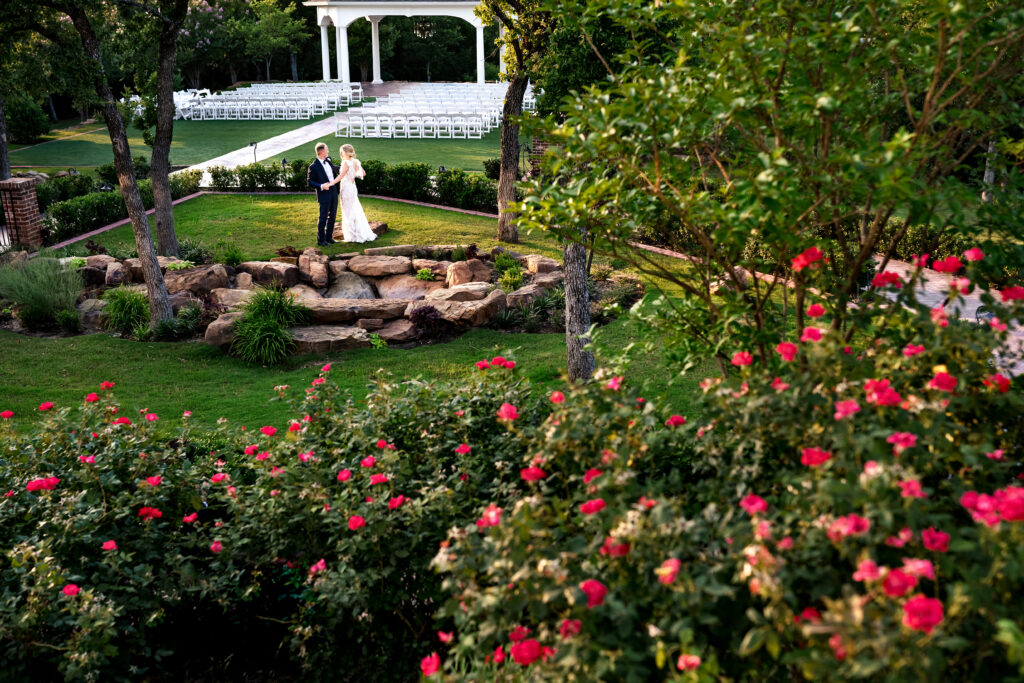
[490, 116]
[267, 101]
[382, 126]
[211, 109]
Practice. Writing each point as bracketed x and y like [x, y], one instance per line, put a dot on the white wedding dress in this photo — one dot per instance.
[354, 226]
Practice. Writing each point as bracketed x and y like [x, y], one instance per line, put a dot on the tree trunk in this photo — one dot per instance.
[507, 231]
[989, 178]
[295, 69]
[232, 73]
[53, 110]
[577, 311]
[5, 158]
[167, 240]
[159, 301]
[268, 70]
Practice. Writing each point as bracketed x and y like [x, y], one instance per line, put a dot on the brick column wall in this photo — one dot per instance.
[540, 145]
[23, 208]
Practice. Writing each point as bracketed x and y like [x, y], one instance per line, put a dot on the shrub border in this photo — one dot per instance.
[125, 221]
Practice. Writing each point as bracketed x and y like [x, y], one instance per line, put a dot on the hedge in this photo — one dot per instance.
[63, 188]
[80, 214]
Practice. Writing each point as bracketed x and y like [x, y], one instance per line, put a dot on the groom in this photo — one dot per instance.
[319, 176]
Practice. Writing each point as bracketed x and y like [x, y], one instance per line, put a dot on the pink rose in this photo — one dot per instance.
[880, 393]
[463, 449]
[787, 350]
[154, 481]
[570, 628]
[921, 613]
[532, 474]
[943, 381]
[7, 414]
[431, 664]
[901, 441]
[687, 662]
[974, 254]
[815, 311]
[1014, 293]
[911, 350]
[613, 549]
[935, 540]
[378, 479]
[219, 477]
[491, 517]
[268, 431]
[807, 259]
[887, 279]
[368, 461]
[591, 475]
[950, 264]
[106, 385]
[110, 545]
[742, 358]
[396, 502]
[675, 421]
[592, 507]
[557, 397]
[45, 406]
[810, 334]
[356, 522]
[922, 569]
[216, 547]
[614, 383]
[753, 504]
[91, 398]
[867, 570]
[507, 411]
[814, 457]
[668, 571]
[525, 652]
[595, 592]
[188, 519]
[845, 409]
[911, 488]
[898, 583]
[70, 590]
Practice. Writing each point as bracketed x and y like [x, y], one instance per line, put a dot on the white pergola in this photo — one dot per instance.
[341, 13]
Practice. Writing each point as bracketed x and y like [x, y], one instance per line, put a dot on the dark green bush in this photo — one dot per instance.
[126, 309]
[184, 183]
[69, 321]
[61, 189]
[452, 186]
[191, 250]
[492, 168]
[377, 180]
[108, 174]
[295, 179]
[40, 289]
[261, 341]
[410, 180]
[26, 120]
[80, 214]
[182, 326]
[223, 178]
[248, 177]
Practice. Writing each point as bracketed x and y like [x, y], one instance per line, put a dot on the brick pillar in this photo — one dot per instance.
[540, 145]
[22, 209]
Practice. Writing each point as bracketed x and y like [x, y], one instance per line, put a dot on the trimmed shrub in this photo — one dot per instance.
[223, 178]
[452, 186]
[108, 174]
[126, 311]
[81, 214]
[409, 181]
[248, 177]
[377, 180]
[295, 179]
[61, 189]
[492, 168]
[184, 183]
[41, 290]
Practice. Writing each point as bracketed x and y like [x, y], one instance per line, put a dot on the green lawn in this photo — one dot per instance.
[465, 154]
[262, 224]
[194, 142]
[168, 378]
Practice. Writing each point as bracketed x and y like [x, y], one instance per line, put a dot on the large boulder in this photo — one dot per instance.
[549, 280]
[393, 250]
[199, 281]
[99, 260]
[435, 267]
[473, 270]
[313, 268]
[243, 281]
[231, 298]
[470, 291]
[472, 313]
[183, 300]
[92, 313]
[379, 266]
[116, 274]
[337, 266]
[406, 287]
[135, 266]
[221, 332]
[304, 292]
[535, 263]
[370, 324]
[398, 331]
[523, 296]
[348, 285]
[93, 276]
[328, 311]
[267, 273]
[324, 338]
[289, 260]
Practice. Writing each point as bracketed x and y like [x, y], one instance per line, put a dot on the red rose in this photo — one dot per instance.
[815, 311]
[943, 381]
[45, 406]
[592, 507]
[110, 545]
[887, 279]
[675, 421]
[935, 540]
[921, 613]
[810, 334]
[741, 358]
[595, 592]
[106, 385]
[268, 431]
[70, 590]
[149, 513]
[525, 652]
[518, 633]
[787, 350]
[507, 411]
[687, 662]
[378, 479]
[613, 549]
[569, 628]
[911, 350]
[668, 571]
[356, 522]
[813, 457]
[807, 259]
[154, 481]
[91, 398]
[216, 547]
[368, 461]
[974, 254]
[753, 504]
[188, 519]
[532, 474]
[396, 502]
[591, 475]
[463, 448]
[1014, 293]
[950, 264]
[7, 414]
[557, 397]
[898, 583]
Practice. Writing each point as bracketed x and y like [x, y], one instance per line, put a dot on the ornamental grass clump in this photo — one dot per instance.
[127, 310]
[43, 292]
[261, 335]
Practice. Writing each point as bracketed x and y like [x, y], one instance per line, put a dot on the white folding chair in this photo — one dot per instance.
[415, 127]
[444, 127]
[341, 125]
[429, 126]
[401, 126]
[474, 127]
[459, 129]
[356, 126]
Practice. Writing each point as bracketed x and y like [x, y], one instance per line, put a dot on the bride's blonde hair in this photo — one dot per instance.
[349, 151]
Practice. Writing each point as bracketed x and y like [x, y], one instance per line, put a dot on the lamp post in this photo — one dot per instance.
[253, 145]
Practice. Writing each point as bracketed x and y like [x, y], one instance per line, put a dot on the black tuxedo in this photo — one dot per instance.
[327, 199]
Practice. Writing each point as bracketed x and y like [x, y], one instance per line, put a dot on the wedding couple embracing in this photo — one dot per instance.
[329, 181]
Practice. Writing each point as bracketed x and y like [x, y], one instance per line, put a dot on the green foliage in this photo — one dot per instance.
[377, 342]
[184, 183]
[61, 189]
[126, 310]
[503, 262]
[409, 180]
[40, 289]
[492, 168]
[455, 187]
[108, 174]
[295, 177]
[81, 214]
[459, 254]
[377, 180]
[277, 305]
[425, 274]
[182, 326]
[191, 250]
[26, 120]
[77, 262]
[261, 335]
[511, 279]
[223, 178]
[69, 321]
[228, 253]
[180, 265]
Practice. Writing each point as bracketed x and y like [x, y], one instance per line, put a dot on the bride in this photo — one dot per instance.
[354, 226]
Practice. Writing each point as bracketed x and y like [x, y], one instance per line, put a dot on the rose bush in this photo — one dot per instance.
[849, 510]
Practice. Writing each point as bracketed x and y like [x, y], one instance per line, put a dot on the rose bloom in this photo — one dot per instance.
[216, 547]
[219, 477]
[911, 350]
[151, 417]
[923, 569]
[356, 522]
[507, 411]
[921, 613]
[614, 383]
[938, 316]
[445, 636]
[814, 457]
[675, 421]
[880, 393]
[430, 665]
[995, 455]
[463, 448]
[974, 254]
[154, 481]
[87, 458]
[591, 475]
[785, 543]
[396, 502]
[850, 525]
[807, 259]
[687, 662]
[110, 545]
[378, 479]
[319, 566]
[950, 264]
[911, 488]
[106, 385]
[867, 570]
[943, 381]
[592, 507]
[898, 583]
[1014, 293]
[787, 350]
[845, 409]
[668, 571]
[753, 504]
[595, 592]
[526, 652]
[887, 279]
[997, 380]
[70, 590]
[518, 633]
[613, 549]
[149, 513]
[268, 431]
[499, 655]
[368, 461]
[810, 334]
[901, 441]
[384, 445]
[935, 540]
[294, 427]
[815, 311]
[904, 536]
[741, 358]
[7, 414]
[188, 519]
[779, 385]
[838, 649]
[491, 517]
[570, 628]
[90, 398]
[532, 474]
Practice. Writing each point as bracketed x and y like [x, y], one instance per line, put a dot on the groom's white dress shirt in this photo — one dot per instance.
[328, 170]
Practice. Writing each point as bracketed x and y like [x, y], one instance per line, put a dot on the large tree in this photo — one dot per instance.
[276, 31]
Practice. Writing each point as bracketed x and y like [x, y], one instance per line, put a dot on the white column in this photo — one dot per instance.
[341, 45]
[375, 35]
[480, 53]
[501, 50]
[325, 52]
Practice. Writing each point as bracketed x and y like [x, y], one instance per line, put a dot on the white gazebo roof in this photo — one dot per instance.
[341, 13]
